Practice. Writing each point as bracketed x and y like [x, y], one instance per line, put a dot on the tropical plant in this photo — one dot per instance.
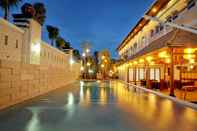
[62, 44]
[76, 54]
[53, 33]
[96, 60]
[67, 45]
[28, 10]
[40, 13]
[6, 5]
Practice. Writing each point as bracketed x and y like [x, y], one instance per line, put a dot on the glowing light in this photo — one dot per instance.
[135, 62]
[87, 50]
[149, 58]
[163, 54]
[111, 72]
[82, 68]
[70, 99]
[168, 61]
[83, 54]
[154, 10]
[189, 56]
[105, 61]
[88, 64]
[103, 57]
[90, 71]
[102, 66]
[130, 64]
[191, 61]
[81, 83]
[191, 67]
[190, 50]
[72, 61]
[36, 48]
[141, 61]
[152, 63]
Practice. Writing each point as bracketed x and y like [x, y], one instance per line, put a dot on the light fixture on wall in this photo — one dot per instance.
[36, 48]
[72, 61]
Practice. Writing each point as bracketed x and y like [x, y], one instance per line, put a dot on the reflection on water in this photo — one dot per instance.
[109, 106]
[34, 123]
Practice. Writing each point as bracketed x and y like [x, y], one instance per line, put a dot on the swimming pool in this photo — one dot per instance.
[99, 106]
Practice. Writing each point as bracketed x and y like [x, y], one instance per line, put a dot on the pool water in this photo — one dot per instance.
[98, 106]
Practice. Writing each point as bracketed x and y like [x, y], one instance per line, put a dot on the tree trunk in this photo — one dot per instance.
[52, 42]
[6, 15]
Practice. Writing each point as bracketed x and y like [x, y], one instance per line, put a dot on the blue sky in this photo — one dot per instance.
[103, 22]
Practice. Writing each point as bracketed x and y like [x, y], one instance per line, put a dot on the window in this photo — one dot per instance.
[175, 15]
[169, 19]
[161, 27]
[16, 43]
[141, 73]
[152, 33]
[191, 4]
[137, 74]
[131, 74]
[157, 29]
[143, 41]
[6, 40]
[155, 74]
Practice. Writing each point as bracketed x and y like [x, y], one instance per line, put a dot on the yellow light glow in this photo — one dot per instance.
[82, 68]
[102, 66]
[191, 67]
[103, 57]
[163, 54]
[130, 64]
[141, 61]
[190, 50]
[36, 48]
[88, 64]
[87, 50]
[168, 61]
[105, 61]
[152, 63]
[154, 10]
[83, 54]
[191, 61]
[149, 58]
[135, 62]
[189, 56]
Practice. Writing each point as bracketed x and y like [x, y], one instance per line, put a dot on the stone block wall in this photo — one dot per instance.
[19, 82]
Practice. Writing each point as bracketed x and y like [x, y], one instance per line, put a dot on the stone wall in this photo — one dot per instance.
[19, 82]
[11, 41]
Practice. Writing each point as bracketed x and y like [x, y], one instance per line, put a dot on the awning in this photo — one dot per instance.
[175, 38]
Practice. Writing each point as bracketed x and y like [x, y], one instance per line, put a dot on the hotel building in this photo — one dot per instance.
[157, 55]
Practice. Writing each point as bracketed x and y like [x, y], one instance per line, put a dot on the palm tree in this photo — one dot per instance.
[28, 10]
[53, 33]
[62, 44]
[6, 5]
[76, 54]
[40, 14]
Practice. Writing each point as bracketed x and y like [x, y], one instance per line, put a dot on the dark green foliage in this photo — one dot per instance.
[53, 33]
[6, 5]
[62, 44]
[28, 10]
[40, 13]
[76, 54]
